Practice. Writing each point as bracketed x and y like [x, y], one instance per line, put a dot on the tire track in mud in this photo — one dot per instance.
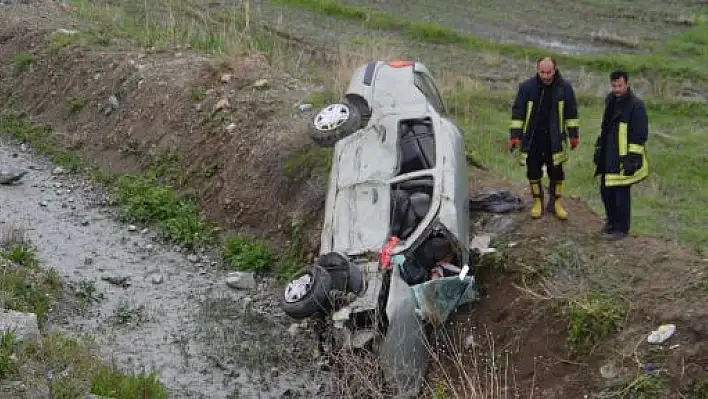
[158, 321]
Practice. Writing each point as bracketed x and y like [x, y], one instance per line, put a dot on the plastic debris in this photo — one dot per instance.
[495, 201]
[661, 334]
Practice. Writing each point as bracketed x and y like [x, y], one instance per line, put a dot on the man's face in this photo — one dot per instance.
[619, 87]
[546, 71]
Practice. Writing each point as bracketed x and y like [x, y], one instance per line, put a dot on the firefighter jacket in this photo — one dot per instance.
[563, 122]
[619, 150]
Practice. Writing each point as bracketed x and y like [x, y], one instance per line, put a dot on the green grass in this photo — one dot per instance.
[24, 285]
[592, 318]
[312, 161]
[23, 61]
[662, 62]
[75, 104]
[8, 363]
[40, 136]
[247, 254]
[111, 382]
[143, 199]
[77, 370]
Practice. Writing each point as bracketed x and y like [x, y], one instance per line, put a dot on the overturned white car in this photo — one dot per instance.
[394, 245]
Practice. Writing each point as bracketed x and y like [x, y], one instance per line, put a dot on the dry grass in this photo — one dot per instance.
[469, 365]
[11, 235]
[461, 365]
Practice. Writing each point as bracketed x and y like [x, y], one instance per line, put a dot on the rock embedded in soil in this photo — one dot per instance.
[241, 280]
[24, 325]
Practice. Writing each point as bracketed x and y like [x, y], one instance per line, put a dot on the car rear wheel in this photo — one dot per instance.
[333, 123]
[307, 293]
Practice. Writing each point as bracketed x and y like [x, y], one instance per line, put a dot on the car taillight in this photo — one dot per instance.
[399, 63]
[386, 252]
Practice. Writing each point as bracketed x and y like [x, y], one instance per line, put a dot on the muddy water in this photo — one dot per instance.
[158, 322]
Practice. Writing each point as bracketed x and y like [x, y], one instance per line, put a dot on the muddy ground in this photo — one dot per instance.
[158, 307]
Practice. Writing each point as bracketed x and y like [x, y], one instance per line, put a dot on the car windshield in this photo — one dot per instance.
[412, 191]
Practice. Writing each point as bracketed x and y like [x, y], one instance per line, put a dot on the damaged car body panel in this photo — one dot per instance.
[396, 213]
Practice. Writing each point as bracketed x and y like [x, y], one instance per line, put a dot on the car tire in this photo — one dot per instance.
[333, 123]
[307, 293]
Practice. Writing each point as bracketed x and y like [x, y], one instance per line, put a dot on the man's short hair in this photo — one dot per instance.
[619, 74]
[546, 57]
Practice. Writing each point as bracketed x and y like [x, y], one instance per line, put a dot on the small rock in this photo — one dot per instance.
[11, 176]
[122, 282]
[132, 228]
[194, 258]
[241, 280]
[85, 222]
[111, 105]
[221, 104]
[157, 279]
[231, 127]
[43, 203]
[24, 325]
[469, 341]
[499, 225]
[226, 78]
[144, 231]
[260, 83]
[609, 371]
[294, 329]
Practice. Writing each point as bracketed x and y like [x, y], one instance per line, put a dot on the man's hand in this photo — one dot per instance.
[574, 141]
[632, 163]
[514, 142]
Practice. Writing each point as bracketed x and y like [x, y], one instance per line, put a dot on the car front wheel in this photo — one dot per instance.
[334, 122]
[307, 293]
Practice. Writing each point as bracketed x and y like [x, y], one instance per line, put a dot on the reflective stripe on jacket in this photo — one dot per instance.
[564, 122]
[625, 130]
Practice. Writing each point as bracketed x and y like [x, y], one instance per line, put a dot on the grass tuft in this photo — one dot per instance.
[592, 318]
[247, 254]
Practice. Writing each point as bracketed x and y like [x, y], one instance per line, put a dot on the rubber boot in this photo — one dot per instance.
[537, 195]
[555, 191]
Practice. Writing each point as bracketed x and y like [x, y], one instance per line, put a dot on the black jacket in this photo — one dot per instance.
[563, 123]
[620, 155]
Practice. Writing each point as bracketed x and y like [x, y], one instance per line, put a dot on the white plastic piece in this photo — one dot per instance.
[465, 270]
[661, 334]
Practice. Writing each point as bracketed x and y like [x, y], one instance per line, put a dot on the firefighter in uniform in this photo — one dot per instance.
[544, 123]
[620, 158]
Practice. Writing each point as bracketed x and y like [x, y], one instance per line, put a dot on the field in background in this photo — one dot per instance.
[479, 76]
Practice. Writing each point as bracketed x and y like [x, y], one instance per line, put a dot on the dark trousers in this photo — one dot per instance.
[618, 206]
[540, 154]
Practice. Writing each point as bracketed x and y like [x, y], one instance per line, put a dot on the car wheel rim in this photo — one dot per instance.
[331, 117]
[298, 288]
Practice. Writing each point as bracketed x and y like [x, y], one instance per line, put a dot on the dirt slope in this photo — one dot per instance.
[220, 120]
[518, 324]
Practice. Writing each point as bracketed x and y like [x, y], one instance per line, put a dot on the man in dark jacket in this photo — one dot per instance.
[620, 158]
[544, 122]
